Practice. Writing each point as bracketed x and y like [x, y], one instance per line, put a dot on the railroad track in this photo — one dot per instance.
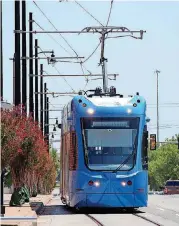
[147, 219]
[95, 220]
[135, 214]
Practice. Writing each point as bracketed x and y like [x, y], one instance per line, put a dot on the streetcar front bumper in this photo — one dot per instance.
[110, 200]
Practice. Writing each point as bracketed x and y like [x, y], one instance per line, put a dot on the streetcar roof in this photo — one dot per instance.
[110, 101]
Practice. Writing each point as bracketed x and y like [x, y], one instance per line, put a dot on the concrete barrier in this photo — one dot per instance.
[18, 221]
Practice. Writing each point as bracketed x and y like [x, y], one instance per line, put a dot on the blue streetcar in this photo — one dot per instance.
[104, 144]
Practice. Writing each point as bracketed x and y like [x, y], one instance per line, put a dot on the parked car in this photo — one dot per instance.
[171, 187]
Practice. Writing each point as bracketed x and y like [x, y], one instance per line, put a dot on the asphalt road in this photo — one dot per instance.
[162, 210]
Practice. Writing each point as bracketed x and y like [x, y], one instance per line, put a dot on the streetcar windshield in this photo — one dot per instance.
[108, 142]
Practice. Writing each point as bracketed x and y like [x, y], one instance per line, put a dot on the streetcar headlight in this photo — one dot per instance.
[123, 183]
[129, 111]
[96, 183]
[90, 111]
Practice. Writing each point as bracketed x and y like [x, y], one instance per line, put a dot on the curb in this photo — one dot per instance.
[40, 207]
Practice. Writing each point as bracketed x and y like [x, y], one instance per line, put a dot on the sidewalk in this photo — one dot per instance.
[30, 209]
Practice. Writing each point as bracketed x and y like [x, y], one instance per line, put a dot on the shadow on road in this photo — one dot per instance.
[64, 210]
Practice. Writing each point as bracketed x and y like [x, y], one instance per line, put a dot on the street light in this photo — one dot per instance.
[51, 60]
[56, 121]
[54, 128]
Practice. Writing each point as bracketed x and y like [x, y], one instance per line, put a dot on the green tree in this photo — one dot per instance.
[163, 164]
[55, 158]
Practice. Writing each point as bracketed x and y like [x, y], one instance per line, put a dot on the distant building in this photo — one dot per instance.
[6, 105]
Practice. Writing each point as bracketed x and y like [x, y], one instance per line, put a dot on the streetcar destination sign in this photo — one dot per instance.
[112, 124]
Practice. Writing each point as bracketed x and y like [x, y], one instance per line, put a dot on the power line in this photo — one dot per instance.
[64, 79]
[99, 42]
[88, 13]
[92, 53]
[164, 125]
[110, 12]
[57, 71]
[81, 63]
[167, 103]
[55, 28]
[53, 38]
[165, 106]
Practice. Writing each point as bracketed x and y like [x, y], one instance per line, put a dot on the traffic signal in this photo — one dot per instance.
[152, 141]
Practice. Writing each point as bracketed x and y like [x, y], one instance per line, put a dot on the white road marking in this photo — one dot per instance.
[177, 215]
[160, 209]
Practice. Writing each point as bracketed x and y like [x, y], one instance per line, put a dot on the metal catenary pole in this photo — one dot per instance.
[41, 97]
[17, 85]
[31, 99]
[47, 120]
[36, 82]
[45, 108]
[1, 53]
[24, 63]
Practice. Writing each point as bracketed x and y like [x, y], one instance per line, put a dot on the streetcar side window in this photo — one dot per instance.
[145, 150]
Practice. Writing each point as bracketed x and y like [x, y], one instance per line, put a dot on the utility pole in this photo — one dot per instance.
[36, 82]
[157, 72]
[41, 98]
[31, 83]
[47, 120]
[14, 78]
[104, 31]
[24, 66]
[1, 54]
[17, 86]
[45, 108]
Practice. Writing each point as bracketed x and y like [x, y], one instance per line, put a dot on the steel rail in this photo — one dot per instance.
[94, 220]
[147, 219]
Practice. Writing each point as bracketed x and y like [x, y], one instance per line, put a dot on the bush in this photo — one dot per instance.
[25, 152]
[163, 165]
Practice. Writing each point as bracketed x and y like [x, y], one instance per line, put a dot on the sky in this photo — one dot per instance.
[134, 60]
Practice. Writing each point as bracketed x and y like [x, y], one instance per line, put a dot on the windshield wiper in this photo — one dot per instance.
[128, 158]
[85, 147]
[125, 161]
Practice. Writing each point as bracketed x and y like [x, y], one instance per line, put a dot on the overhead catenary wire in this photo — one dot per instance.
[64, 79]
[61, 36]
[109, 13]
[53, 38]
[100, 40]
[81, 63]
[166, 103]
[100, 24]
[62, 47]
[92, 53]
[88, 13]
[55, 28]
[177, 106]
[58, 71]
